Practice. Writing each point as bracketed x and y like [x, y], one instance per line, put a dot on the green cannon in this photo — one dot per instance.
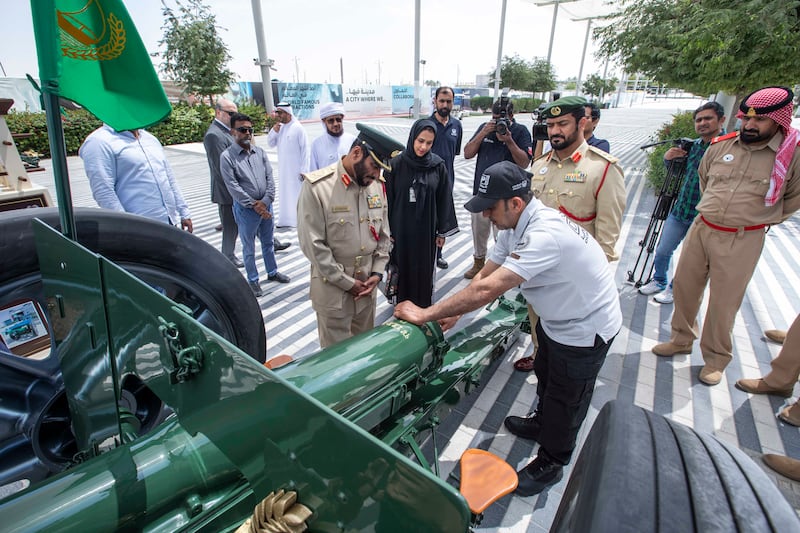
[208, 433]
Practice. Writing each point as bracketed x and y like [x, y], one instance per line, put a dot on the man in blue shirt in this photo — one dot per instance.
[447, 143]
[593, 116]
[129, 172]
[492, 147]
[708, 121]
[248, 176]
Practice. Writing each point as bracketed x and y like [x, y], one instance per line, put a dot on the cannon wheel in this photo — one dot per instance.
[35, 436]
[640, 472]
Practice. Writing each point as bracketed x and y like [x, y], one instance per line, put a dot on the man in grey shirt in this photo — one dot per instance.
[248, 177]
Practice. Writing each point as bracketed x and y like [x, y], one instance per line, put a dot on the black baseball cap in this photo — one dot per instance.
[500, 181]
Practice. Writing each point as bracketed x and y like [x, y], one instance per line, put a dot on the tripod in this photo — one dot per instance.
[676, 168]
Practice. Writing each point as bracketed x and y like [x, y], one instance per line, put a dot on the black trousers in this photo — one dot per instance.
[229, 229]
[566, 377]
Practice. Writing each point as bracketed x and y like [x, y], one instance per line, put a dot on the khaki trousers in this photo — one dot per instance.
[727, 261]
[786, 367]
[356, 318]
[481, 226]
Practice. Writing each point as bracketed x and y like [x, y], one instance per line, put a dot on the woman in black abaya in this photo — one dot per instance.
[421, 213]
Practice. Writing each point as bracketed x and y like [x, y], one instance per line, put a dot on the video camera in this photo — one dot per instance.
[502, 124]
[539, 129]
[684, 143]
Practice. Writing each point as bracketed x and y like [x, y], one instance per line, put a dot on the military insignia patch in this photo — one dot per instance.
[374, 201]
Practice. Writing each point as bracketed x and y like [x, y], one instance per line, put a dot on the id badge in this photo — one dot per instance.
[412, 197]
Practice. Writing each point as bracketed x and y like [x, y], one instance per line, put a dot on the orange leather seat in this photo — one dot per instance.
[485, 478]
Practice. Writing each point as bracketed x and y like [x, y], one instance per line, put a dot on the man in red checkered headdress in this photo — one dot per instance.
[749, 180]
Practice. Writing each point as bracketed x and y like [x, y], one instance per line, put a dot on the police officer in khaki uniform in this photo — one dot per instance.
[581, 181]
[343, 229]
[749, 180]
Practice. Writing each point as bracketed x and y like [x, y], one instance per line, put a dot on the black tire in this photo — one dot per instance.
[201, 277]
[35, 427]
[640, 472]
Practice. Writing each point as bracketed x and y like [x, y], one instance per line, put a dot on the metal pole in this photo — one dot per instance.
[341, 70]
[552, 31]
[58, 154]
[603, 87]
[500, 51]
[263, 60]
[583, 57]
[416, 57]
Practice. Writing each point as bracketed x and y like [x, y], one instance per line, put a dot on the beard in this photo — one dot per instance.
[361, 171]
[753, 136]
[443, 112]
[335, 133]
[559, 142]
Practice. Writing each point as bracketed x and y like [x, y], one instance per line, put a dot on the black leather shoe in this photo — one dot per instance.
[540, 473]
[278, 245]
[256, 286]
[441, 263]
[526, 427]
[236, 261]
[280, 278]
[218, 227]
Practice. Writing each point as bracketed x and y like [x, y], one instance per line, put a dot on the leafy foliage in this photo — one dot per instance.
[186, 124]
[682, 125]
[535, 76]
[704, 46]
[481, 102]
[594, 85]
[195, 54]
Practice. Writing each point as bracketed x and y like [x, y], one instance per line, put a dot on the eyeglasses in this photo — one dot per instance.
[332, 120]
[242, 129]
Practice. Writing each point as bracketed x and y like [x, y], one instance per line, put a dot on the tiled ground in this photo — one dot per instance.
[631, 372]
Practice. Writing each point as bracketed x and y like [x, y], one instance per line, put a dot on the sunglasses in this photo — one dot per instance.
[230, 113]
[333, 120]
[242, 129]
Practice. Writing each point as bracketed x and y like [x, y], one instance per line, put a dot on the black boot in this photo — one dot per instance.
[540, 473]
[527, 427]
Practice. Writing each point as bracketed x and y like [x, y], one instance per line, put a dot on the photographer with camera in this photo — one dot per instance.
[584, 183]
[500, 139]
[708, 121]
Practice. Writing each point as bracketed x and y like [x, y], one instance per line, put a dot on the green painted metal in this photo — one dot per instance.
[239, 431]
[398, 379]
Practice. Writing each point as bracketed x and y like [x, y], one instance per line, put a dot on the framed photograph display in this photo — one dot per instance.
[23, 328]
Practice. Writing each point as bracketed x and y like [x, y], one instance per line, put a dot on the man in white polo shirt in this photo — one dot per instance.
[563, 273]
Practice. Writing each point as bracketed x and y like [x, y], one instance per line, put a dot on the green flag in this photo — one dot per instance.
[90, 53]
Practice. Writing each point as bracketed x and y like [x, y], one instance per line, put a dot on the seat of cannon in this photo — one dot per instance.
[485, 478]
[278, 361]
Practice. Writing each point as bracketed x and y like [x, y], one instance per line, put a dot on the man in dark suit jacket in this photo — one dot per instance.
[216, 140]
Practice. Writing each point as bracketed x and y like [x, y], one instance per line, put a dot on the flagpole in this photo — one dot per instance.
[58, 156]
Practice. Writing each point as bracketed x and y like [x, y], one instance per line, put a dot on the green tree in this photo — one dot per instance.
[522, 75]
[571, 84]
[594, 85]
[543, 76]
[195, 55]
[704, 46]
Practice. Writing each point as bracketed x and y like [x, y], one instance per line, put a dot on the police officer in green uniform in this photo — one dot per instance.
[343, 229]
[583, 182]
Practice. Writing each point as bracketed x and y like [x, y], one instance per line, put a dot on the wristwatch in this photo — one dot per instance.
[379, 274]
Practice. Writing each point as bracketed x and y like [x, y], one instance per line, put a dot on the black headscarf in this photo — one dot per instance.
[428, 160]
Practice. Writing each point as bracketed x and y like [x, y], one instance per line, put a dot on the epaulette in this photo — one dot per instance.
[547, 153]
[315, 176]
[605, 155]
[731, 135]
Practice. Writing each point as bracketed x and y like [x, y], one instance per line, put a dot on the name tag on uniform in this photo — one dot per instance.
[412, 196]
[341, 209]
[575, 177]
[374, 201]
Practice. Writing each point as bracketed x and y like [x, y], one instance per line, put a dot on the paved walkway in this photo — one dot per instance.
[631, 373]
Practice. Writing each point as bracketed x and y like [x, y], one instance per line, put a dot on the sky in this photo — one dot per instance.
[373, 39]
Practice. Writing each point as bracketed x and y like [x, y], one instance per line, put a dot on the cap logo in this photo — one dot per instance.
[751, 112]
[521, 185]
[555, 110]
[484, 184]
